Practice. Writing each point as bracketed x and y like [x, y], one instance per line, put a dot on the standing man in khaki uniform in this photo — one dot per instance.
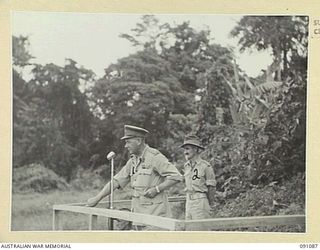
[199, 179]
[150, 174]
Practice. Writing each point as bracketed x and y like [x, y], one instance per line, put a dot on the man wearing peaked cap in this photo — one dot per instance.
[133, 131]
[199, 179]
[150, 174]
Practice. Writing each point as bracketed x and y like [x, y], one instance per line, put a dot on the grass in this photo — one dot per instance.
[33, 211]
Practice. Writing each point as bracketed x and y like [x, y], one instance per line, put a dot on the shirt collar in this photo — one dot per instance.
[143, 152]
[194, 162]
[140, 158]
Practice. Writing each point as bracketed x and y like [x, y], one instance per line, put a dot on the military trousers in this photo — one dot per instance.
[197, 206]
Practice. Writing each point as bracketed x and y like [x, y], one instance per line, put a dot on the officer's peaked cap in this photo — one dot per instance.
[133, 131]
[192, 140]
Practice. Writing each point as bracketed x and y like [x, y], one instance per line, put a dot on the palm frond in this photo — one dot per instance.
[251, 86]
[265, 87]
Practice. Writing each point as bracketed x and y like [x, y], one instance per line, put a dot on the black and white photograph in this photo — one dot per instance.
[159, 122]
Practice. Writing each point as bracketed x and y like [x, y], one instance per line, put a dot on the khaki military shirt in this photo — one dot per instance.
[199, 176]
[148, 170]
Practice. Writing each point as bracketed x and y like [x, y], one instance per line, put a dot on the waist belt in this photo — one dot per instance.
[195, 196]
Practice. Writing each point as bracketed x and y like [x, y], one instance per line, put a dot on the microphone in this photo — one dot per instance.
[111, 155]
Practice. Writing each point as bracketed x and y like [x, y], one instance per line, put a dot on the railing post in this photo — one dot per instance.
[180, 226]
[93, 222]
[108, 224]
[56, 222]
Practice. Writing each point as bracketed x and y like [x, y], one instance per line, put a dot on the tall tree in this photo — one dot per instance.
[148, 33]
[51, 117]
[66, 106]
[193, 60]
[22, 95]
[286, 36]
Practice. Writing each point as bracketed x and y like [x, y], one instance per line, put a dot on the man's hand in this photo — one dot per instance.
[150, 192]
[92, 202]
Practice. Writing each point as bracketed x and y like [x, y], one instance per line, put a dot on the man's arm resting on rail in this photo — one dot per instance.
[103, 193]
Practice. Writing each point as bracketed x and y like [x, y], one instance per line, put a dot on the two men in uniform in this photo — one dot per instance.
[150, 174]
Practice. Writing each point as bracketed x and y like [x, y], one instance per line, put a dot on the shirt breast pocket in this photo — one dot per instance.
[144, 177]
[197, 175]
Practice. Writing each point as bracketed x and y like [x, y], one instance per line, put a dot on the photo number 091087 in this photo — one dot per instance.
[313, 246]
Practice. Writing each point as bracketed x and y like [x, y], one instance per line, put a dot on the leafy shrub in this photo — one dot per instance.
[35, 177]
[273, 199]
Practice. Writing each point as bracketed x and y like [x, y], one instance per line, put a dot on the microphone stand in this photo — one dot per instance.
[110, 220]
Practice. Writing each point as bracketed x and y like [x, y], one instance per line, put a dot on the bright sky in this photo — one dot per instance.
[93, 41]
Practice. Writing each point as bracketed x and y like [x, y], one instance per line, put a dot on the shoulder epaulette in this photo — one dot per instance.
[206, 163]
[153, 151]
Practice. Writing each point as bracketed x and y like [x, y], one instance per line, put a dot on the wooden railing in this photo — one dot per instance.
[169, 223]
